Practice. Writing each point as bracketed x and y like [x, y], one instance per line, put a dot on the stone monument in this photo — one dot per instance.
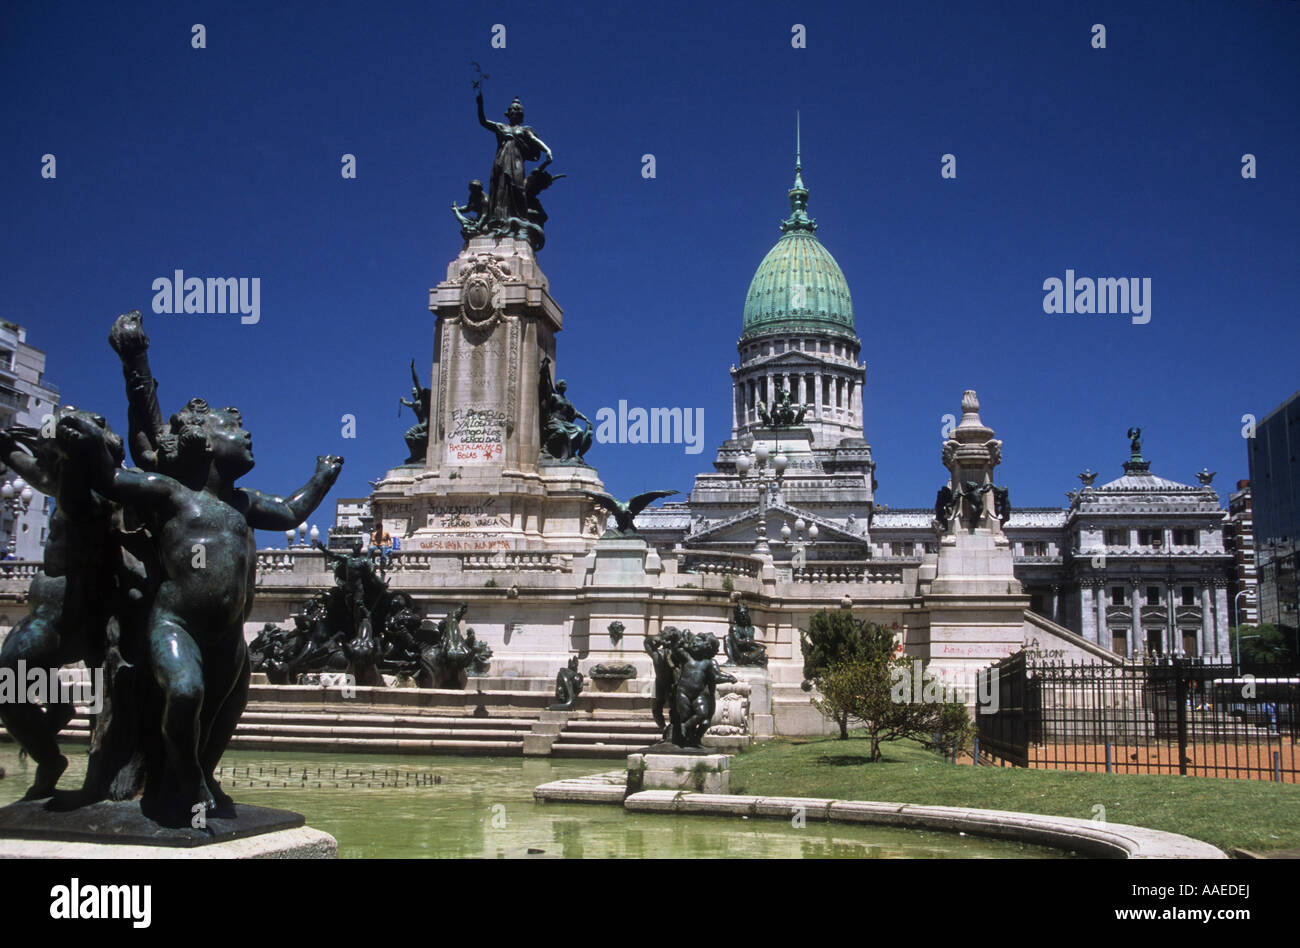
[486, 482]
[976, 603]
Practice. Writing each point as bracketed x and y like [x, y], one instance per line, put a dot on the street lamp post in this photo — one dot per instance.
[765, 481]
[17, 499]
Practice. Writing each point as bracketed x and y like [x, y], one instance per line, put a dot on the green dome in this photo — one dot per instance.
[798, 260]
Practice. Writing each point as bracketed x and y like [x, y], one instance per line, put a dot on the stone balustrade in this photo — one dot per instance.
[720, 564]
[16, 576]
[515, 562]
[832, 571]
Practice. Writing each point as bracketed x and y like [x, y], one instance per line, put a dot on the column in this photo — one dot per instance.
[1207, 622]
[1135, 633]
[817, 396]
[1174, 633]
[1221, 643]
[1103, 627]
[1088, 593]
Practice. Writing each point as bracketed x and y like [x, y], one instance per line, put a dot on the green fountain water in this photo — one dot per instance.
[390, 806]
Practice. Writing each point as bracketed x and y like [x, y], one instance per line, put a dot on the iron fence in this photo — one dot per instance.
[1174, 716]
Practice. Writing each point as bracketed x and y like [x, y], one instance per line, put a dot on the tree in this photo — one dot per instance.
[835, 638]
[861, 675]
[878, 693]
[1262, 645]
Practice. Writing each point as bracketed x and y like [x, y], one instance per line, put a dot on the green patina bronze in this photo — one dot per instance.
[798, 286]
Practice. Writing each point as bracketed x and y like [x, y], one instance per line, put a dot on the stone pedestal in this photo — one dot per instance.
[760, 697]
[484, 486]
[623, 561]
[976, 605]
[108, 830]
[700, 773]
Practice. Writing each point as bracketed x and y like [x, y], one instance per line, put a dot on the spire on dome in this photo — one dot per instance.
[798, 219]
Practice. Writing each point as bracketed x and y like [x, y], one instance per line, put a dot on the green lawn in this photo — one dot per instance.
[1252, 814]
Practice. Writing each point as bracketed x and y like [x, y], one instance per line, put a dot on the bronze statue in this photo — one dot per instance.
[943, 504]
[73, 597]
[417, 436]
[563, 439]
[973, 493]
[686, 677]
[447, 658]
[661, 648]
[783, 413]
[625, 514]
[1135, 441]
[568, 685]
[476, 204]
[196, 635]
[694, 695]
[511, 207]
[742, 646]
[180, 617]
[1002, 504]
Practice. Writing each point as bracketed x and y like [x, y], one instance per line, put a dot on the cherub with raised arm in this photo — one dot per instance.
[203, 527]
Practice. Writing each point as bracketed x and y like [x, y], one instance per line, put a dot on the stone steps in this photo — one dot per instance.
[316, 718]
[485, 748]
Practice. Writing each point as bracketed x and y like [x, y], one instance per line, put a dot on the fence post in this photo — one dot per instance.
[976, 761]
[1110, 766]
[1180, 699]
[1277, 766]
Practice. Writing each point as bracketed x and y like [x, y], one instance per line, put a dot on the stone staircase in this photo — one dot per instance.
[606, 735]
[487, 722]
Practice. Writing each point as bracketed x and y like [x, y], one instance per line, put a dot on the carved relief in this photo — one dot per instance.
[481, 297]
[512, 377]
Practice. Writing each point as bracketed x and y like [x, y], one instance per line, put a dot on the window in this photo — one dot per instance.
[1117, 538]
[1117, 596]
[1153, 595]
[1184, 538]
[931, 547]
[903, 549]
[1189, 595]
[1119, 641]
[1150, 537]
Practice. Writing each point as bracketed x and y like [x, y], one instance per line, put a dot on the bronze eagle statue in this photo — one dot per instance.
[625, 514]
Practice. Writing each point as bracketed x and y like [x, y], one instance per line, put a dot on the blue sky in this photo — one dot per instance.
[1117, 162]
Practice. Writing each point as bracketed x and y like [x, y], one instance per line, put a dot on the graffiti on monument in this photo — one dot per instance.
[477, 435]
[458, 543]
[1036, 651]
[463, 516]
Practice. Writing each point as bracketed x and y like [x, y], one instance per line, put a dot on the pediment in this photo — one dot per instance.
[744, 528]
[791, 358]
